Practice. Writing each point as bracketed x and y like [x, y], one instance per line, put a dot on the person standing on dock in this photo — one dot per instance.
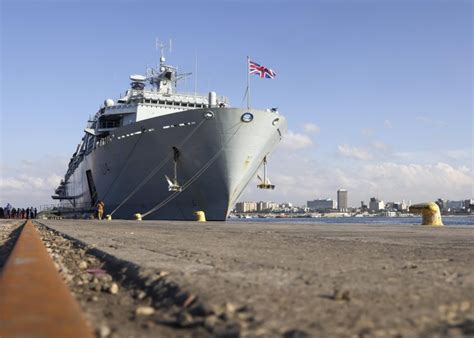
[7, 210]
[100, 209]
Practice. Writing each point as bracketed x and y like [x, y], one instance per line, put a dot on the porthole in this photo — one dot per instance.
[247, 117]
[208, 115]
[275, 121]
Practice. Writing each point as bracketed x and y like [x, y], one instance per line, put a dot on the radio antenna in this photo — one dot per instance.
[195, 73]
[161, 46]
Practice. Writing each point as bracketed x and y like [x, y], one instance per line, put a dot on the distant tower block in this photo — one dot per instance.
[342, 200]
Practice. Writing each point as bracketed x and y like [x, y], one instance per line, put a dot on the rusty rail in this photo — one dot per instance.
[34, 301]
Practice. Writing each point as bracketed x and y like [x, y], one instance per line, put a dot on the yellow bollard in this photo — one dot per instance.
[430, 213]
[200, 216]
[108, 217]
[138, 217]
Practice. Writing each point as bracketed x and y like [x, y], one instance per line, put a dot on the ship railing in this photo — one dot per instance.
[63, 209]
[48, 207]
[188, 96]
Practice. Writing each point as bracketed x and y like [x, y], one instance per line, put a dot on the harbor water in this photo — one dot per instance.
[449, 221]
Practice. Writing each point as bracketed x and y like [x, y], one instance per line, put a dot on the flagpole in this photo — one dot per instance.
[248, 82]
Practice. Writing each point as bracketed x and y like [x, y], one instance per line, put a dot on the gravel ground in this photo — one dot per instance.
[121, 301]
[297, 280]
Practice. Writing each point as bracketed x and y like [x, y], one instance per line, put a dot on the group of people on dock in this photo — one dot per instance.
[18, 213]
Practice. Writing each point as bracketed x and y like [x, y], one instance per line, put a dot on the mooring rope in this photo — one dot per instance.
[127, 160]
[157, 168]
[196, 176]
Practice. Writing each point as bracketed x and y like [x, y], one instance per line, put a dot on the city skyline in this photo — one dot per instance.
[378, 96]
[327, 204]
[335, 203]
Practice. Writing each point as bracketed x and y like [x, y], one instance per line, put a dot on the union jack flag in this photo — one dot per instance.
[262, 71]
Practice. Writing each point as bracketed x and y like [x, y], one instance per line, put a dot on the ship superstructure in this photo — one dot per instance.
[166, 154]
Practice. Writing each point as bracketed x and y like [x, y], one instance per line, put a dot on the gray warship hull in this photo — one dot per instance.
[219, 156]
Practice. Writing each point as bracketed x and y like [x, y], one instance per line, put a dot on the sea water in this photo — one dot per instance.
[449, 221]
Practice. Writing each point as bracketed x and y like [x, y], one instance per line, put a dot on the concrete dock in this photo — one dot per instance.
[297, 280]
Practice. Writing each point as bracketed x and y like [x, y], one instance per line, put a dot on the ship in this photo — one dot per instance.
[165, 154]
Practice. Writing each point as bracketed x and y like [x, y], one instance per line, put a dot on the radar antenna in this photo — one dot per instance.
[164, 77]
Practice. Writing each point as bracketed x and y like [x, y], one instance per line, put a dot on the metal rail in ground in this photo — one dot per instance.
[34, 301]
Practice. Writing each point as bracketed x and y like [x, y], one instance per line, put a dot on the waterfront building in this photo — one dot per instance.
[455, 205]
[398, 206]
[267, 206]
[321, 204]
[246, 207]
[342, 200]
[272, 206]
[376, 205]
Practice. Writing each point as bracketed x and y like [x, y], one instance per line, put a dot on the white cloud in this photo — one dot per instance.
[300, 179]
[295, 141]
[384, 172]
[7, 183]
[430, 122]
[54, 180]
[387, 124]
[354, 152]
[25, 182]
[458, 154]
[417, 181]
[311, 128]
[457, 157]
[379, 145]
[31, 182]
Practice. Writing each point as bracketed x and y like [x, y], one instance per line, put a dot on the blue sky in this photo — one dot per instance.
[378, 94]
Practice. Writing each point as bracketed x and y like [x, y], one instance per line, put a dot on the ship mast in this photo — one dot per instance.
[165, 77]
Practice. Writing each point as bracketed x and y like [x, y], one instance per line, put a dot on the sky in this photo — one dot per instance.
[378, 94]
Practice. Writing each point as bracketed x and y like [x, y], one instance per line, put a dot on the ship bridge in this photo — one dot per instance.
[151, 96]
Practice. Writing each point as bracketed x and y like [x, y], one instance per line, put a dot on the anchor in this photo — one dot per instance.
[173, 184]
[265, 182]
